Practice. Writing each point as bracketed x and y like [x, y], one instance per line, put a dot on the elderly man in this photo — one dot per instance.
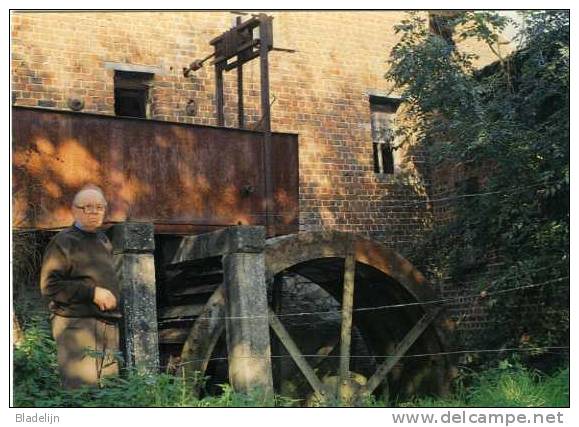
[79, 279]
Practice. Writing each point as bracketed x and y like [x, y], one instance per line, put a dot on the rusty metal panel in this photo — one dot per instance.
[284, 216]
[181, 177]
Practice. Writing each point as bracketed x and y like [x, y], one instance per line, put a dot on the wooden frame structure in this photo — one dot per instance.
[239, 306]
[245, 41]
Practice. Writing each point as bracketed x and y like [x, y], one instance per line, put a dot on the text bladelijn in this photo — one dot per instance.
[37, 418]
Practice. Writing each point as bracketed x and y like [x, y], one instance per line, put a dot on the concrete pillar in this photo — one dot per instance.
[246, 311]
[133, 246]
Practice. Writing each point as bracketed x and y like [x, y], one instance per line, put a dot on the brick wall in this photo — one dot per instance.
[319, 92]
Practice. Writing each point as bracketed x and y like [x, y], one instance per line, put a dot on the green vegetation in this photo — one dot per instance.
[509, 385]
[506, 127]
[36, 384]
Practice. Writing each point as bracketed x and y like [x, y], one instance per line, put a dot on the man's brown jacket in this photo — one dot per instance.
[74, 263]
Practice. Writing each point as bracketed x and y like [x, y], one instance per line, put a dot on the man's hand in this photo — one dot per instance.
[104, 299]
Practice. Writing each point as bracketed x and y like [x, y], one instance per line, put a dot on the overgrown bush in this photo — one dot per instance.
[36, 379]
[507, 127]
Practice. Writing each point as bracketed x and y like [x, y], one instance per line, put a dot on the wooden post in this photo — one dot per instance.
[133, 246]
[276, 304]
[266, 39]
[246, 312]
[240, 114]
[219, 95]
[346, 331]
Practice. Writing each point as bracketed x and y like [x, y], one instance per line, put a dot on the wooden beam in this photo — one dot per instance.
[219, 95]
[322, 365]
[203, 336]
[187, 280]
[239, 238]
[347, 306]
[265, 39]
[295, 353]
[195, 290]
[181, 311]
[240, 118]
[173, 335]
[249, 57]
[400, 350]
[276, 304]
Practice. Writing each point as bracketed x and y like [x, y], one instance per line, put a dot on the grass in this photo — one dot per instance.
[36, 384]
[509, 385]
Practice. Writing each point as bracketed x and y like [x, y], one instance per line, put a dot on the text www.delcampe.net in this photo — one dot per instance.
[463, 417]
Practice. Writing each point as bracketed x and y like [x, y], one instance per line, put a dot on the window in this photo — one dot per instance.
[383, 111]
[132, 94]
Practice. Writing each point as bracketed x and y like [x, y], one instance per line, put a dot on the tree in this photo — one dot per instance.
[509, 122]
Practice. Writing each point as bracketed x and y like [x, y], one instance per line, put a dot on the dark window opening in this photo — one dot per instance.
[383, 111]
[132, 94]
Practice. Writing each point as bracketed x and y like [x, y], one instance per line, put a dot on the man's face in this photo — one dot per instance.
[89, 210]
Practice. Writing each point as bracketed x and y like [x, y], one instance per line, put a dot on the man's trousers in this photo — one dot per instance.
[87, 350]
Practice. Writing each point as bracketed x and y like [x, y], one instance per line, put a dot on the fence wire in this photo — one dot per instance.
[545, 349]
[376, 308]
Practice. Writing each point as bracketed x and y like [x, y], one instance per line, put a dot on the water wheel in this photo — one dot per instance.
[386, 332]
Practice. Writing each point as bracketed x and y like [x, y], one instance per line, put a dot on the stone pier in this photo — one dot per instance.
[246, 321]
[133, 246]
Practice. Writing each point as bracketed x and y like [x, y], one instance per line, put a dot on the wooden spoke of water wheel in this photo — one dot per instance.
[400, 351]
[345, 341]
[378, 376]
[351, 268]
[295, 353]
[346, 329]
[203, 337]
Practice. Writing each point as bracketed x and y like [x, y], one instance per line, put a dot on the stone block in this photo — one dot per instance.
[133, 237]
[246, 324]
[136, 273]
[236, 239]
[133, 244]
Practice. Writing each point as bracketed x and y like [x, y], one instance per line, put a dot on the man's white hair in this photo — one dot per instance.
[88, 187]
